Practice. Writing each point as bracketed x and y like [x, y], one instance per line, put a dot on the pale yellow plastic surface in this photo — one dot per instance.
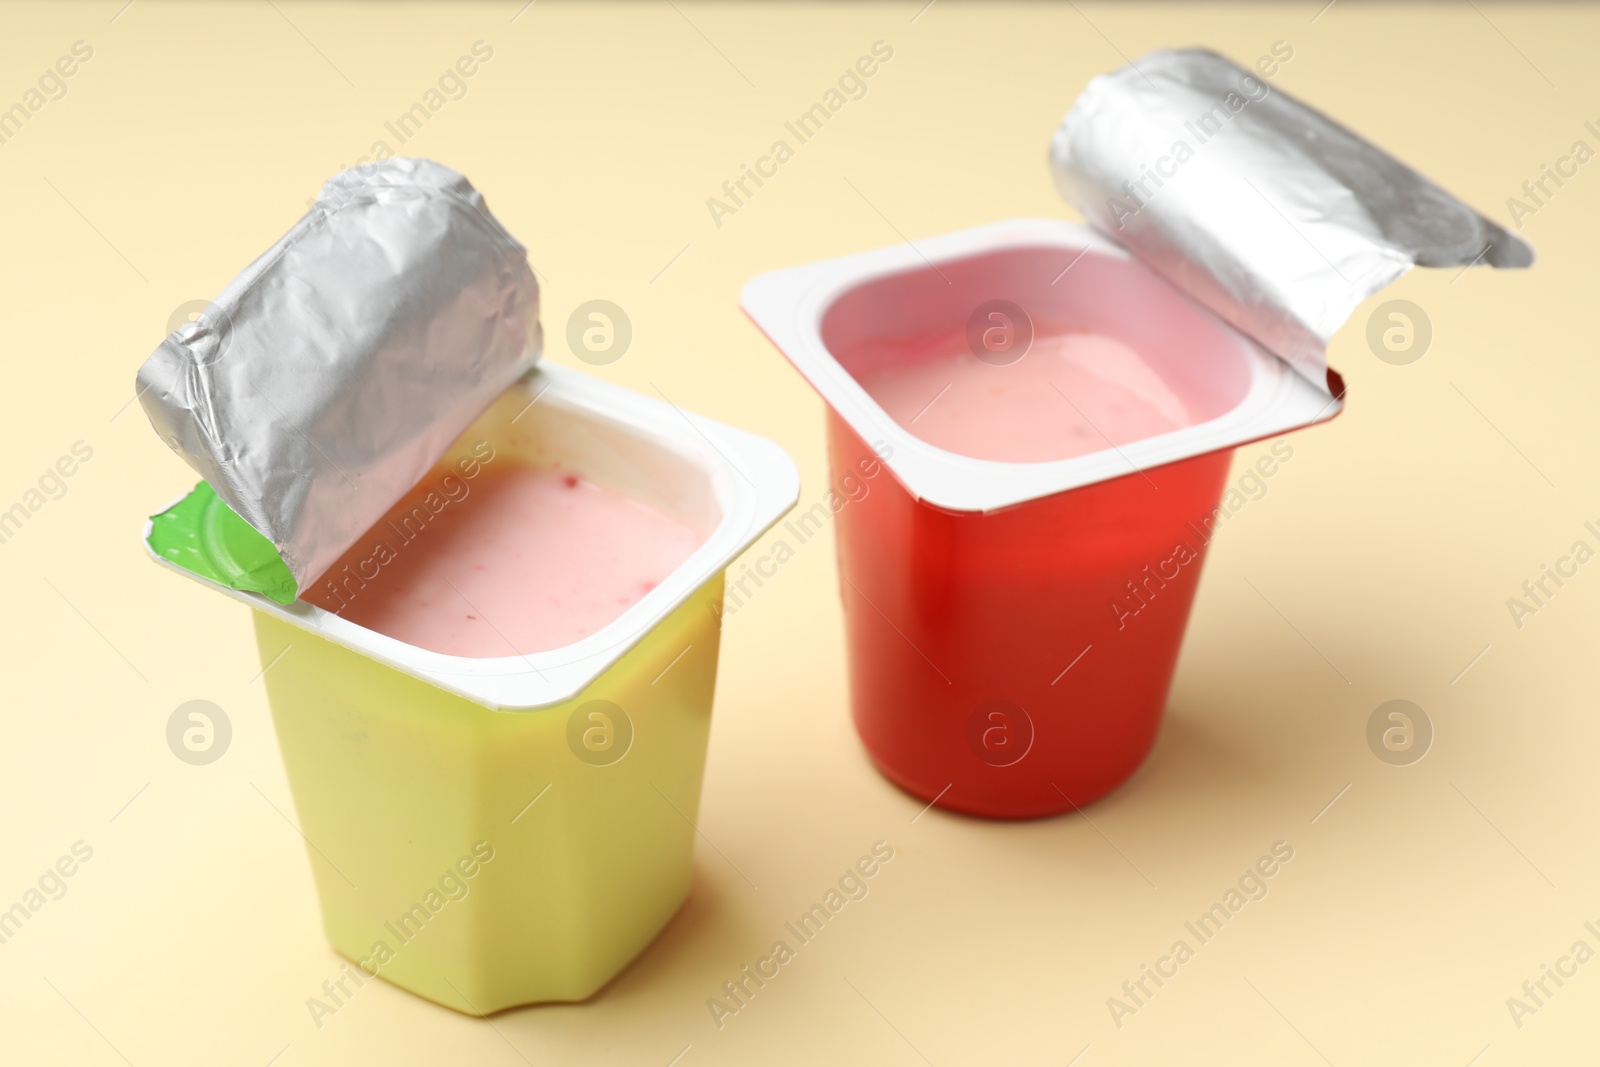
[396, 782]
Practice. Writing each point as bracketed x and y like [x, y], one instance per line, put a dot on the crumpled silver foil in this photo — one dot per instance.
[334, 371]
[1270, 214]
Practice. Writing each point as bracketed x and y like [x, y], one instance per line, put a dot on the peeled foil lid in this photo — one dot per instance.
[334, 371]
[1265, 211]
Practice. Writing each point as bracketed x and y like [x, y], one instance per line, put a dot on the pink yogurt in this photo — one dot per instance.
[1117, 356]
[1069, 395]
[515, 560]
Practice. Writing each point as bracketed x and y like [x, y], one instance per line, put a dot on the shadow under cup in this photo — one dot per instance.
[1015, 663]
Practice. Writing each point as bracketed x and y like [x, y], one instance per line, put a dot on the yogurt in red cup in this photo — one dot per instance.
[1057, 405]
[1015, 596]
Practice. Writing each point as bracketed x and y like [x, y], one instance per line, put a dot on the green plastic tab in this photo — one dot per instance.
[208, 539]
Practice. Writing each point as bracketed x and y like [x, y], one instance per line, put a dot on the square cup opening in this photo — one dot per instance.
[726, 487]
[1035, 353]
[1009, 362]
[528, 536]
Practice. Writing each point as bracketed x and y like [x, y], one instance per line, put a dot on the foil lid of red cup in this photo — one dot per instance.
[332, 373]
[1272, 215]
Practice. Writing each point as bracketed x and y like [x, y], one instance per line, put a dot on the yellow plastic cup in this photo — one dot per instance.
[493, 832]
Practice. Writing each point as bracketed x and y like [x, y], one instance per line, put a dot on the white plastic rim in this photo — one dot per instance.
[789, 306]
[754, 482]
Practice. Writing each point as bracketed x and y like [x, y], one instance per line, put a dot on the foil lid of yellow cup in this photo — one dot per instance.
[333, 372]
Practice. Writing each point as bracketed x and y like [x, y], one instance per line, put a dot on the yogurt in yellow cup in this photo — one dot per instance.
[511, 826]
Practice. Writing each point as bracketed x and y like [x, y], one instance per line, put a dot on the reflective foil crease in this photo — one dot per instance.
[334, 371]
[1276, 218]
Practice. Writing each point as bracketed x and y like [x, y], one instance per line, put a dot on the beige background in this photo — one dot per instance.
[1383, 553]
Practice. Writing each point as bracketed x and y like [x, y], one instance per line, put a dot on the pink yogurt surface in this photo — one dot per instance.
[1070, 395]
[514, 560]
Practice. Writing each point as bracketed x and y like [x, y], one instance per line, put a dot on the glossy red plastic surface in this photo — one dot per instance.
[1015, 664]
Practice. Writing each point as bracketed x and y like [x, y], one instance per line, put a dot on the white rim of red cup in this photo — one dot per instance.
[789, 307]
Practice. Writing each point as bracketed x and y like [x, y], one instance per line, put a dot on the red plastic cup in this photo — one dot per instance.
[987, 667]
[1013, 627]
